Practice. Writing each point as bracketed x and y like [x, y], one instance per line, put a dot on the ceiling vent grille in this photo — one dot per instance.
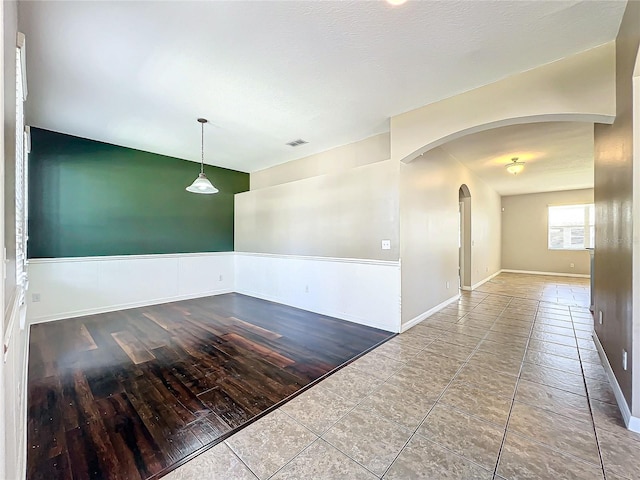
[297, 143]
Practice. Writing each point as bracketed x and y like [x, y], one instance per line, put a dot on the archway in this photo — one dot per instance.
[580, 88]
[431, 142]
[464, 243]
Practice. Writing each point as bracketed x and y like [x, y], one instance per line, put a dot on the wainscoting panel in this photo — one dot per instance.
[71, 287]
[362, 291]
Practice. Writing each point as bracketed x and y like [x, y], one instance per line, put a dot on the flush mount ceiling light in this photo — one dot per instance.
[202, 183]
[396, 3]
[515, 167]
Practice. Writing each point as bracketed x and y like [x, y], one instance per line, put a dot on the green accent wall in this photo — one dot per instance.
[89, 198]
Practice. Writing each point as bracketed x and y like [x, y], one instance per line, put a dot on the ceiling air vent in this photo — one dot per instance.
[297, 143]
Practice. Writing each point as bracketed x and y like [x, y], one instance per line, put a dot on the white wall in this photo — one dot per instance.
[71, 287]
[339, 159]
[309, 234]
[362, 291]
[525, 221]
[429, 231]
[339, 215]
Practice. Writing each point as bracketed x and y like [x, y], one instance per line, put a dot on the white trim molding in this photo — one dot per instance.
[111, 258]
[72, 287]
[416, 320]
[632, 423]
[10, 317]
[361, 291]
[362, 261]
[552, 274]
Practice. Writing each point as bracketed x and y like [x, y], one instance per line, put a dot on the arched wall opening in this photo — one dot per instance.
[580, 88]
[577, 88]
[445, 246]
[551, 117]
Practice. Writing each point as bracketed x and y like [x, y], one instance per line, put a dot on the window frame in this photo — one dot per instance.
[586, 225]
[23, 147]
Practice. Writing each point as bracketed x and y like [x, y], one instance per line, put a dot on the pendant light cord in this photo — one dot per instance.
[202, 149]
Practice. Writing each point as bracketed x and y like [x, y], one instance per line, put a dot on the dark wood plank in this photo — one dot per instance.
[246, 326]
[138, 453]
[131, 394]
[55, 468]
[133, 347]
[45, 426]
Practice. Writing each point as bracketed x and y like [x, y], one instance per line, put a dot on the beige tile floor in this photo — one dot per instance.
[506, 383]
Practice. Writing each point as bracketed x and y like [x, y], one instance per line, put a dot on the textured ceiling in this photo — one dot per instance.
[557, 156]
[138, 74]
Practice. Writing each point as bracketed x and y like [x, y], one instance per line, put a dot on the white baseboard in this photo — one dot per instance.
[416, 320]
[125, 306]
[552, 274]
[632, 423]
[481, 282]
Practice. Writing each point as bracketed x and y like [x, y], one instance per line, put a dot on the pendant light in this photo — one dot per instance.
[515, 167]
[202, 183]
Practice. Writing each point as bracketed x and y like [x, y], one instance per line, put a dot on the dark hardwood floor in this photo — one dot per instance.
[132, 394]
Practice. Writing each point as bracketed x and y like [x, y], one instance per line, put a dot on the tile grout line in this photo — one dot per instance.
[233, 452]
[586, 388]
[444, 331]
[464, 363]
[321, 436]
[318, 436]
[354, 407]
[515, 392]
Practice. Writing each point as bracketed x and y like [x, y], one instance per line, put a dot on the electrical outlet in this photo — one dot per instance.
[624, 359]
[386, 244]
[572, 265]
[486, 269]
[447, 284]
[306, 289]
[35, 297]
[220, 279]
[600, 317]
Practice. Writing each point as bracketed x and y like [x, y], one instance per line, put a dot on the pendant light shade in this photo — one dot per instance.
[515, 167]
[202, 183]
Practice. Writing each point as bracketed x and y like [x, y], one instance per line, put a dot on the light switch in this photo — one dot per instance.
[386, 244]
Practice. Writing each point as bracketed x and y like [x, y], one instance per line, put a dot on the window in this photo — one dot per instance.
[571, 227]
[22, 150]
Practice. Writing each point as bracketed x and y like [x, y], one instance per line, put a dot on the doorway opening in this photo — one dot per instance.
[464, 238]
